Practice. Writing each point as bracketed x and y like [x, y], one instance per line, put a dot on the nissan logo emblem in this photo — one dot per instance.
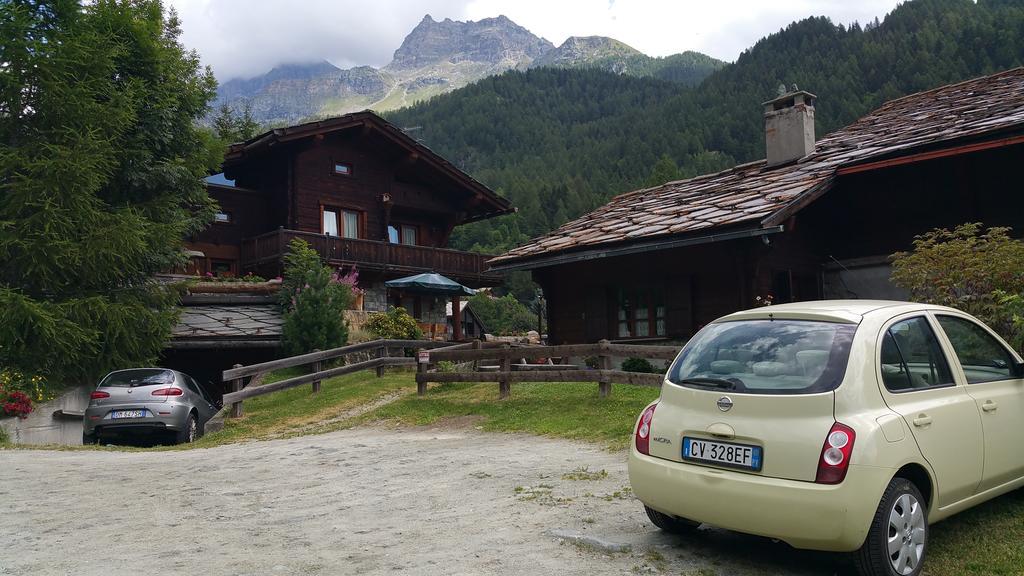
[724, 403]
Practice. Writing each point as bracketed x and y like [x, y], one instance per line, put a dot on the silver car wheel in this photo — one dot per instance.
[192, 428]
[906, 536]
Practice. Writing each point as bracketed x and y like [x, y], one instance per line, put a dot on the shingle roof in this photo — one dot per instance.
[256, 321]
[755, 194]
[240, 152]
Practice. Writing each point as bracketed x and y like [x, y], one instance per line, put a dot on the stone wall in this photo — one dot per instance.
[375, 297]
[40, 427]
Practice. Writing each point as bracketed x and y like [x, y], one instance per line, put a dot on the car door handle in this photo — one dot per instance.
[989, 406]
[922, 420]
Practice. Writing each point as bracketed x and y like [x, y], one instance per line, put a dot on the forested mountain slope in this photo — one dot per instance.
[561, 142]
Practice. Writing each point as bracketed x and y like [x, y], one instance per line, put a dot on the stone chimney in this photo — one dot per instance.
[789, 126]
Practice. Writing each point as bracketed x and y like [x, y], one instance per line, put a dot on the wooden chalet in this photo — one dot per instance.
[358, 190]
[813, 220]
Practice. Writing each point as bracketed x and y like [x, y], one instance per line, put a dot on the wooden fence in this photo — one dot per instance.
[505, 373]
[238, 374]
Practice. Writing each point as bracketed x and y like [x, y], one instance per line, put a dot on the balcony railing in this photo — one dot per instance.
[265, 252]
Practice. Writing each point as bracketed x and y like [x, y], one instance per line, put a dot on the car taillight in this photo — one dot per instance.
[835, 454]
[643, 431]
[99, 394]
[168, 392]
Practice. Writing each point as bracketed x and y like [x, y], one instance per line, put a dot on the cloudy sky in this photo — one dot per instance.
[241, 38]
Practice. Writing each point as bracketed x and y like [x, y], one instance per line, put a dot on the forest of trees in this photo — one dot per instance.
[559, 143]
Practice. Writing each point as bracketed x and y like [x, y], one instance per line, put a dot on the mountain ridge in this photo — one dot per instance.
[560, 142]
[437, 57]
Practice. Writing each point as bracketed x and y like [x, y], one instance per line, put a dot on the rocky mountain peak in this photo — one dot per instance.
[493, 41]
[577, 50]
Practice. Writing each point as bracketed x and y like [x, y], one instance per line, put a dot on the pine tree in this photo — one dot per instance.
[100, 167]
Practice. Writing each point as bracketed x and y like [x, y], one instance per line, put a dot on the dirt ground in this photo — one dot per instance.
[362, 501]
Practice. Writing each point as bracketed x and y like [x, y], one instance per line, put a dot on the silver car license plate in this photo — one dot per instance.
[722, 453]
[116, 414]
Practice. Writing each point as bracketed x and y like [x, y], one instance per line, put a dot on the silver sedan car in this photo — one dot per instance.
[143, 402]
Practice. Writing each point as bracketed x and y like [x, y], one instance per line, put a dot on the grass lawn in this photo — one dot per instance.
[987, 540]
[299, 411]
[567, 410]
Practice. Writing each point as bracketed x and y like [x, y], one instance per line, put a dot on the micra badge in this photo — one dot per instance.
[662, 440]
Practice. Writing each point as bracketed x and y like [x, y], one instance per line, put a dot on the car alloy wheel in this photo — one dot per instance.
[189, 431]
[906, 534]
[898, 537]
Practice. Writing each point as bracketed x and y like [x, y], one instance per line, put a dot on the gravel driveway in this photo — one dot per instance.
[362, 501]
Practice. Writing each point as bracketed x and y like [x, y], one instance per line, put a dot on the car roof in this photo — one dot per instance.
[177, 374]
[844, 311]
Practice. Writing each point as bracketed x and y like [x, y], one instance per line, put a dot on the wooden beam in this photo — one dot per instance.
[619, 376]
[931, 155]
[456, 318]
[531, 352]
[251, 391]
[325, 355]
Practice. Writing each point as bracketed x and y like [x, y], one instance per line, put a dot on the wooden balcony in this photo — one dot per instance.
[264, 254]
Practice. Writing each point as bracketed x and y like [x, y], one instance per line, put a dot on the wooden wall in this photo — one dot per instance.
[866, 215]
[374, 172]
[220, 241]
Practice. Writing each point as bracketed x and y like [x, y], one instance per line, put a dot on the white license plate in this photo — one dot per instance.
[128, 414]
[722, 453]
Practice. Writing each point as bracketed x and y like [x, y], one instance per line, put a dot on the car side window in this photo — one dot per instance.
[911, 358]
[191, 384]
[982, 357]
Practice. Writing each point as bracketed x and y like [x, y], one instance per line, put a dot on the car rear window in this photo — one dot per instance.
[139, 377]
[766, 357]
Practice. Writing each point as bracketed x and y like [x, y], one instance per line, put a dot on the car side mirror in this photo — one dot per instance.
[1018, 369]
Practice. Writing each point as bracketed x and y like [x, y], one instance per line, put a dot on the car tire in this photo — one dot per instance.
[901, 518]
[190, 431]
[671, 524]
[88, 439]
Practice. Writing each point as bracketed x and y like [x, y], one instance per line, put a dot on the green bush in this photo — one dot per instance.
[313, 301]
[639, 365]
[446, 366]
[37, 388]
[504, 316]
[969, 268]
[395, 324]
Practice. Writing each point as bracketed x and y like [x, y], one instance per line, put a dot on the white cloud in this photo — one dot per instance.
[722, 28]
[248, 37]
[241, 38]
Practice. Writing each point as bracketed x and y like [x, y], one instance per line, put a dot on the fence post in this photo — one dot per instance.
[236, 385]
[382, 352]
[604, 362]
[505, 385]
[317, 366]
[476, 346]
[421, 372]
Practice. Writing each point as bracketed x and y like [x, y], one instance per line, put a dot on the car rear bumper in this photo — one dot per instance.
[803, 514]
[162, 417]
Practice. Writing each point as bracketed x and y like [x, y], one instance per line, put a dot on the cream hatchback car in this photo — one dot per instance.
[845, 426]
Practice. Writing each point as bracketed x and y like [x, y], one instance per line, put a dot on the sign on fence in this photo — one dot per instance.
[423, 357]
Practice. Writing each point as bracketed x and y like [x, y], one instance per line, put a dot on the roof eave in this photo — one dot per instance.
[625, 249]
[241, 151]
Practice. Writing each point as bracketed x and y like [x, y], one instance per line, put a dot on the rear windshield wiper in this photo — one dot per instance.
[710, 382]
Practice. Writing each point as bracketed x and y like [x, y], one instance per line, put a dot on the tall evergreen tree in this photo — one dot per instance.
[100, 180]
